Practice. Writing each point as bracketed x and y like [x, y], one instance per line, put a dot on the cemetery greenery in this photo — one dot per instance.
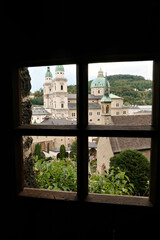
[136, 166]
[61, 175]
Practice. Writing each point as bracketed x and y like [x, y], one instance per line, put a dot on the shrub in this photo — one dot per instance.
[37, 151]
[116, 182]
[56, 175]
[62, 152]
[136, 166]
[74, 149]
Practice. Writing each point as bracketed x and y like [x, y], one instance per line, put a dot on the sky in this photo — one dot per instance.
[142, 68]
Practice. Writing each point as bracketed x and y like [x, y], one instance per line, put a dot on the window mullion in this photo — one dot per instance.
[155, 154]
[82, 122]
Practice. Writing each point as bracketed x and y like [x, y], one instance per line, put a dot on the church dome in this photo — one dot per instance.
[48, 73]
[59, 68]
[99, 81]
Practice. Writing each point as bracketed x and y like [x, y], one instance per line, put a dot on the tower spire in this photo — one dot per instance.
[106, 94]
[100, 73]
[106, 104]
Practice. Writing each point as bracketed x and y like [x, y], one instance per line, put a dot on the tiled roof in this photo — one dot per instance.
[132, 120]
[40, 111]
[119, 144]
[53, 121]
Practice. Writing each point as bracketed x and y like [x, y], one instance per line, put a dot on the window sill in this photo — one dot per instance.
[48, 194]
[91, 198]
[119, 200]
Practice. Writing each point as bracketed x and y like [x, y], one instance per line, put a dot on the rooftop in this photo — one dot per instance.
[91, 96]
[40, 111]
[119, 144]
[53, 121]
[132, 120]
[48, 73]
[59, 68]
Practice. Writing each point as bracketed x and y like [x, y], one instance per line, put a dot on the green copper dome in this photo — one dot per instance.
[59, 68]
[48, 73]
[99, 81]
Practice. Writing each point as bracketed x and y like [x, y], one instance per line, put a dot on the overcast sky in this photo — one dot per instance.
[136, 68]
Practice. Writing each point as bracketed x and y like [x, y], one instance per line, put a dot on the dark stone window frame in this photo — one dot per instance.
[82, 130]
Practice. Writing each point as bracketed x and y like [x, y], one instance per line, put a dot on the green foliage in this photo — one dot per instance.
[93, 166]
[124, 85]
[38, 97]
[56, 175]
[61, 175]
[62, 152]
[116, 182]
[136, 166]
[37, 151]
[37, 101]
[72, 89]
[74, 149]
[38, 93]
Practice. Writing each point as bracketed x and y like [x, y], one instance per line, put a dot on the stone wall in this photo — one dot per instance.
[29, 176]
[104, 153]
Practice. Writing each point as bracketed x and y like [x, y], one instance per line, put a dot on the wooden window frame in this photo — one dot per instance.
[82, 131]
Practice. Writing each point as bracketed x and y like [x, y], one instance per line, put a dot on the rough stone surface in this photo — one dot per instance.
[26, 111]
[25, 82]
[29, 175]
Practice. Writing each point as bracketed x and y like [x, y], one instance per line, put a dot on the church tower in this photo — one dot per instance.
[103, 157]
[47, 89]
[106, 104]
[60, 96]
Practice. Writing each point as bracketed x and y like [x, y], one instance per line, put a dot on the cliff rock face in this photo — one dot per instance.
[25, 89]
[29, 176]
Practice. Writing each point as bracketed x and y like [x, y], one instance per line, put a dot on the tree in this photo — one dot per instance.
[62, 152]
[37, 150]
[74, 149]
[136, 167]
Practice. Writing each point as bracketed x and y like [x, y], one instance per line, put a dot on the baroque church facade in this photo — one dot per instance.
[101, 102]
[104, 108]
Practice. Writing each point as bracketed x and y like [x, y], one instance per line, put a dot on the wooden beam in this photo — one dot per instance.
[82, 122]
[155, 153]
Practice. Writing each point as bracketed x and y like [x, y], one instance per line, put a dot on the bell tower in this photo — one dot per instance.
[106, 104]
[60, 96]
[47, 86]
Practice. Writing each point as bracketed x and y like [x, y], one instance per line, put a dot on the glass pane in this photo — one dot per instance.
[119, 166]
[119, 89]
[49, 95]
[50, 162]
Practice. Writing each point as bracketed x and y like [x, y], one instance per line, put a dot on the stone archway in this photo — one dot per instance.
[58, 155]
[93, 152]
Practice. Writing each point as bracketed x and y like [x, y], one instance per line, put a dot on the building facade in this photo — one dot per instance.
[104, 108]
[62, 105]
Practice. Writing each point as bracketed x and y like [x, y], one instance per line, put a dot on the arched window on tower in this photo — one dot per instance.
[107, 109]
[61, 87]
